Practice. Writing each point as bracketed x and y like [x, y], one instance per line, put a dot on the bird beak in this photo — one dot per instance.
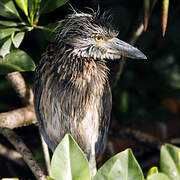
[117, 47]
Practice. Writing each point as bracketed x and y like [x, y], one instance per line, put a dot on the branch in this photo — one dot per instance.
[133, 35]
[11, 155]
[18, 118]
[17, 142]
[18, 83]
[142, 137]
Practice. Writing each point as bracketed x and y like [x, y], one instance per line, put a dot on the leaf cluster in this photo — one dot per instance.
[18, 18]
[69, 162]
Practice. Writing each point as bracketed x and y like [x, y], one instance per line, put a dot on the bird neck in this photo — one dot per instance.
[83, 72]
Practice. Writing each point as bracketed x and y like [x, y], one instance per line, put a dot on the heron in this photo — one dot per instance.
[72, 91]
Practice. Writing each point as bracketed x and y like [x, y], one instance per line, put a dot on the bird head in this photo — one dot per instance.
[92, 35]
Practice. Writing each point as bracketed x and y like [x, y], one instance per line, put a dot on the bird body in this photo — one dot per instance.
[71, 100]
[72, 92]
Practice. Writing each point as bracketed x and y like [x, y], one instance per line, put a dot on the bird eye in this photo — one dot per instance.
[98, 38]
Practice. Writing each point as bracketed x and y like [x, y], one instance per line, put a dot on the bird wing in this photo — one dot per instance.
[57, 107]
[44, 64]
[105, 120]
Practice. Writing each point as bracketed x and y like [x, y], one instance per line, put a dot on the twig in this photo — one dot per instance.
[18, 118]
[46, 154]
[18, 83]
[134, 33]
[132, 38]
[11, 155]
[175, 140]
[142, 137]
[25, 152]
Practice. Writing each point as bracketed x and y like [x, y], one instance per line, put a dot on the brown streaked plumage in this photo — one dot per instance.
[72, 93]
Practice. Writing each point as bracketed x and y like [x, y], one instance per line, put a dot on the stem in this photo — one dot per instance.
[44, 28]
[46, 154]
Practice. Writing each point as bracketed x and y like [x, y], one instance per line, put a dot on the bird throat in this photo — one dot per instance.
[83, 74]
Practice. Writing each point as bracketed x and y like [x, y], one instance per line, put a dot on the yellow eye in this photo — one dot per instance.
[99, 38]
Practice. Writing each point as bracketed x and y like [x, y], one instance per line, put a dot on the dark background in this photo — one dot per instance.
[146, 98]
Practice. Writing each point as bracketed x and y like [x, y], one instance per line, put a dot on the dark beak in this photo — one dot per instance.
[118, 47]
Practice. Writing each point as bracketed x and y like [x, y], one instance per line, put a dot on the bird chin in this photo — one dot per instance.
[112, 56]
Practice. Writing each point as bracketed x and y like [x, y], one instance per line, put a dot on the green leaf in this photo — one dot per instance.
[121, 166]
[23, 4]
[33, 5]
[169, 161]
[37, 2]
[179, 162]
[8, 23]
[17, 60]
[158, 176]
[49, 5]
[69, 162]
[153, 170]
[5, 49]
[49, 30]
[18, 39]
[48, 178]
[7, 32]
[8, 9]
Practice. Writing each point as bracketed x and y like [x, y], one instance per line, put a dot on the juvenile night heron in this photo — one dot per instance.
[72, 93]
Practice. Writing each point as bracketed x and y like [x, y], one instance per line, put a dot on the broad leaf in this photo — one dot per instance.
[7, 32]
[17, 60]
[8, 9]
[23, 4]
[122, 166]
[169, 161]
[17, 39]
[158, 176]
[49, 5]
[69, 162]
[153, 170]
[5, 48]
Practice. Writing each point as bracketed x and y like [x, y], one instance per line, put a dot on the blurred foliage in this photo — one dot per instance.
[147, 8]
[146, 87]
